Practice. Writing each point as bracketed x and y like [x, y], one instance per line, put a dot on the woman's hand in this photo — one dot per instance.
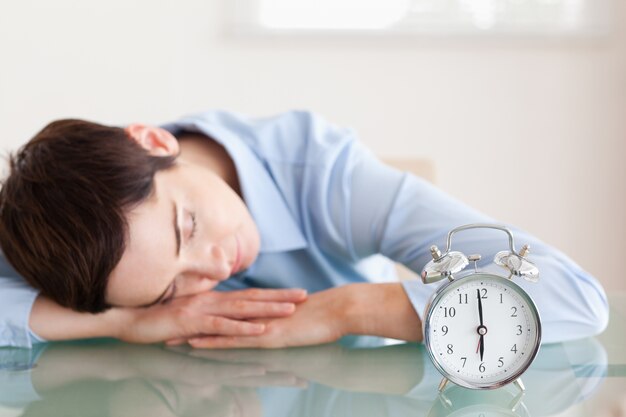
[364, 308]
[212, 312]
[321, 319]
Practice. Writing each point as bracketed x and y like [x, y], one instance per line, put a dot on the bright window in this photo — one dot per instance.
[464, 17]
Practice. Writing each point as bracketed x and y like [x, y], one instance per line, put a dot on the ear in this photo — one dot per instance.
[157, 141]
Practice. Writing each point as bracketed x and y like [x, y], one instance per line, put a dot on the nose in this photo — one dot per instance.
[211, 262]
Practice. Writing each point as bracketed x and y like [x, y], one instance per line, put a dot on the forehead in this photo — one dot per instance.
[147, 262]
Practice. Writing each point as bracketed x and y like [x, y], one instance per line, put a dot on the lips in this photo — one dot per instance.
[237, 262]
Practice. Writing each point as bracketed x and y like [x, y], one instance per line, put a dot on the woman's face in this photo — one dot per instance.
[193, 232]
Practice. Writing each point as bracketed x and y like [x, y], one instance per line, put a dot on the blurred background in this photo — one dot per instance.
[520, 104]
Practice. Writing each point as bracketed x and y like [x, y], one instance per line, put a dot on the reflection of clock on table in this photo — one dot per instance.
[481, 330]
[459, 402]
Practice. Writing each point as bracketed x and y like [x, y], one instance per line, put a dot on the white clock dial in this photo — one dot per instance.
[484, 355]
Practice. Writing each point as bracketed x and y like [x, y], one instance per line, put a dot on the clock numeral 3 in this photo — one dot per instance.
[519, 329]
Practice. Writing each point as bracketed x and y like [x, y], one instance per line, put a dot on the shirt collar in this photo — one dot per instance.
[277, 227]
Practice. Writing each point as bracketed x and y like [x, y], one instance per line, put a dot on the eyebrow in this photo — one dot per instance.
[176, 229]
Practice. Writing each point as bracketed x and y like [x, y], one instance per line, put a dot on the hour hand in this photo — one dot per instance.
[482, 346]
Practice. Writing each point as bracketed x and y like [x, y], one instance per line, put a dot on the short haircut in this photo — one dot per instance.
[63, 208]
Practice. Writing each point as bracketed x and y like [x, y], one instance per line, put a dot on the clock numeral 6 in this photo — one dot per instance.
[481, 367]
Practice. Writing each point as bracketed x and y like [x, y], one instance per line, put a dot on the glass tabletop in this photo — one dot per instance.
[359, 376]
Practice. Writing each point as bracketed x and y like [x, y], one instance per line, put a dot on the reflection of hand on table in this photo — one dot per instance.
[397, 369]
[132, 374]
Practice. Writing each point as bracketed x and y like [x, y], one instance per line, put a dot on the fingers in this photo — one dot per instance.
[228, 327]
[176, 342]
[244, 309]
[225, 342]
[293, 295]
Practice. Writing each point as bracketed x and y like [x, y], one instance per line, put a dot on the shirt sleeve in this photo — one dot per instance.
[16, 302]
[400, 216]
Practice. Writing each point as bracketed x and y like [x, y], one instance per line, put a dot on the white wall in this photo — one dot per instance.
[532, 131]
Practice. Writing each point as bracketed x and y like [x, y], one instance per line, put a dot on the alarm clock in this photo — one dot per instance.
[481, 330]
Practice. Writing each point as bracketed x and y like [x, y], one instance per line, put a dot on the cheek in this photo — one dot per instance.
[193, 285]
[251, 242]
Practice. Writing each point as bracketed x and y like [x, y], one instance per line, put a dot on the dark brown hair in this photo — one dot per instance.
[63, 205]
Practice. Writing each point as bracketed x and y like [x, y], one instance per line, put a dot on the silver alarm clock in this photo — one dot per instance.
[481, 330]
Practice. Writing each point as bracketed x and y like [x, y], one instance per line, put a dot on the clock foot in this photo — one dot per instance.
[516, 401]
[442, 384]
[445, 401]
[518, 382]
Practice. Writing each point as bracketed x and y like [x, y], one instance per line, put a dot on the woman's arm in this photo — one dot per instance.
[50, 321]
[409, 215]
[226, 313]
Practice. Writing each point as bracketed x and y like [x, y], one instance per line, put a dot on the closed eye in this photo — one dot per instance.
[193, 225]
[171, 296]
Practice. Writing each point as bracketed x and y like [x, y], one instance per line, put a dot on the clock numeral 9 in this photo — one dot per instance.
[519, 330]
[444, 329]
[449, 312]
[481, 367]
[450, 351]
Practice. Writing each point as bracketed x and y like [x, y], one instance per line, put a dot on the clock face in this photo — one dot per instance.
[485, 354]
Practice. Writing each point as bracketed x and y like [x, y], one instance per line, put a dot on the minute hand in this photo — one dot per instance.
[481, 342]
[480, 307]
